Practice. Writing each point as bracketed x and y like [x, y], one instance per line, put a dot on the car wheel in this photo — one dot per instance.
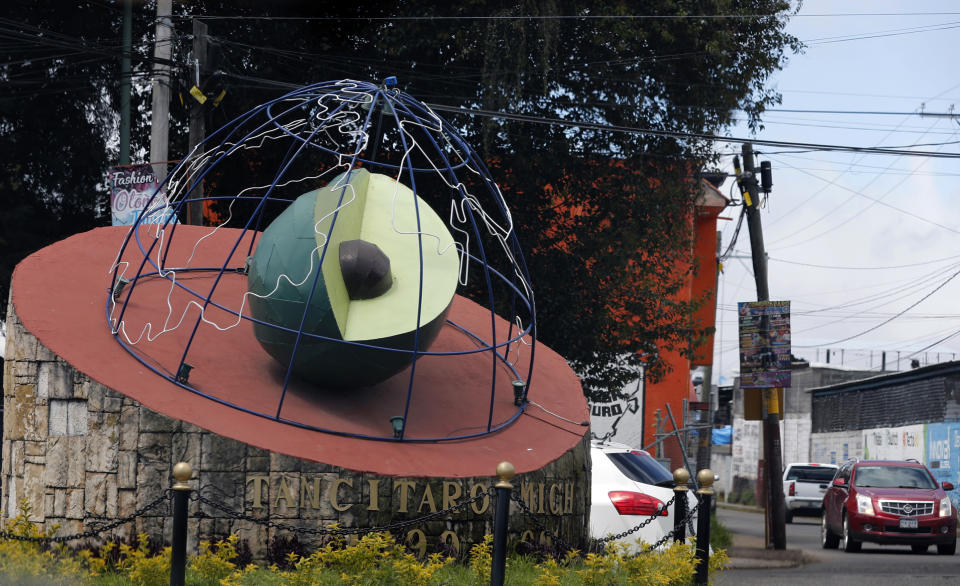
[947, 548]
[828, 540]
[850, 544]
[918, 548]
[788, 516]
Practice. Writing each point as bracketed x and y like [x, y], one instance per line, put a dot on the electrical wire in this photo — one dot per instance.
[885, 322]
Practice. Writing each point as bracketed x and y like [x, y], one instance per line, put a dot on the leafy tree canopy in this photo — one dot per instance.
[602, 215]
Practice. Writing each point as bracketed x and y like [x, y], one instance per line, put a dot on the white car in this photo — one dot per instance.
[628, 487]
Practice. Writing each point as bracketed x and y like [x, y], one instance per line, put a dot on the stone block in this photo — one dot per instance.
[67, 526]
[23, 418]
[126, 469]
[80, 389]
[126, 502]
[283, 463]
[24, 343]
[44, 354]
[58, 418]
[25, 371]
[94, 393]
[48, 505]
[258, 464]
[222, 454]
[225, 488]
[34, 490]
[77, 417]
[102, 444]
[129, 427]
[155, 449]
[75, 503]
[55, 380]
[5, 458]
[100, 494]
[34, 449]
[16, 458]
[190, 428]
[8, 377]
[317, 468]
[152, 480]
[151, 421]
[65, 462]
[59, 503]
[186, 448]
[112, 402]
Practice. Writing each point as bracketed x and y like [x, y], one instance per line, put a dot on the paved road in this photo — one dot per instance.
[875, 565]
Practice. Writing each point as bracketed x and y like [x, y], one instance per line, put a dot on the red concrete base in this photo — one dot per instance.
[60, 293]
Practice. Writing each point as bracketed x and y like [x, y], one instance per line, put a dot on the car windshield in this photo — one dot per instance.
[893, 477]
[811, 473]
[641, 467]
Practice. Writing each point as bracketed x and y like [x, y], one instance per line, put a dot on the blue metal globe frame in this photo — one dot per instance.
[352, 100]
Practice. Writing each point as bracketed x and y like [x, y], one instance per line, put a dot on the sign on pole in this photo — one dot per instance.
[131, 190]
[764, 344]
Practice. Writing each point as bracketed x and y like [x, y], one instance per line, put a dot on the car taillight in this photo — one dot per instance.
[637, 503]
[793, 489]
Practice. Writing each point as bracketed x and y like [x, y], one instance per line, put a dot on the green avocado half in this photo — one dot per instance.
[361, 231]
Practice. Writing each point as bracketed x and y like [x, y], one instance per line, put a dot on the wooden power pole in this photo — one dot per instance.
[160, 120]
[198, 125]
[772, 449]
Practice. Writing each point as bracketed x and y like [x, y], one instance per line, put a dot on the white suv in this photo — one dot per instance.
[628, 487]
[803, 488]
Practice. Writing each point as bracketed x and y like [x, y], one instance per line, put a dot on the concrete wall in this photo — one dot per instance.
[80, 452]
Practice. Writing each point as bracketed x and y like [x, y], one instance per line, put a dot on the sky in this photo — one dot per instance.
[855, 239]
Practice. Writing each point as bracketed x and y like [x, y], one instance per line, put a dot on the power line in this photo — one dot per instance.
[689, 135]
[569, 17]
[634, 130]
[849, 268]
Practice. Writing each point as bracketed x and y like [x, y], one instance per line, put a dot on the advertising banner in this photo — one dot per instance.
[131, 187]
[764, 344]
[943, 454]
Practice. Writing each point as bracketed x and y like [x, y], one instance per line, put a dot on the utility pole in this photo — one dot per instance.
[160, 119]
[772, 449]
[705, 439]
[198, 126]
[125, 83]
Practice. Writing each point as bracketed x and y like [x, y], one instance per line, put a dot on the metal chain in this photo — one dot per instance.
[643, 524]
[595, 543]
[166, 495]
[341, 530]
[515, 496]
[670, 534]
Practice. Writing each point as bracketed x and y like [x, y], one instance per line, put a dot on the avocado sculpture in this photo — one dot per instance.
[379, 267]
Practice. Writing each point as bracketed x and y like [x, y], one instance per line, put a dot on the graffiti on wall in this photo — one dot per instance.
[618, 416]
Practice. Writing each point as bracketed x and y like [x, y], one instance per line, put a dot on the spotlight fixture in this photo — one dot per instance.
[519, 392]
[183, 374]
[118, 288]
[397, 423]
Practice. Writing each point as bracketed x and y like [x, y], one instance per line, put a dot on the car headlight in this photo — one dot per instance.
[946, 509]
[864, 505]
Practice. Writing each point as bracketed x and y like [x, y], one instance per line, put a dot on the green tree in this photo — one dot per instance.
[601, 214]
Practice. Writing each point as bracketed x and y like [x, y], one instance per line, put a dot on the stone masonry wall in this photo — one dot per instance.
[80, 453]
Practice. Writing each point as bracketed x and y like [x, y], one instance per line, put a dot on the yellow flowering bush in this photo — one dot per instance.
[375, 559]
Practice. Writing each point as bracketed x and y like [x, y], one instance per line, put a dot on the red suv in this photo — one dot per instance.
[888, 502]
